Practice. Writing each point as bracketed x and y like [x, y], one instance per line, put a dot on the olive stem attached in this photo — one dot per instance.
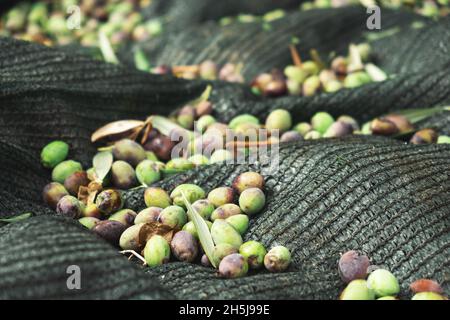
[295, 56]
[134, 253]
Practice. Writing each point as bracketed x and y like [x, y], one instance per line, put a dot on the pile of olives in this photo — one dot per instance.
[79, 21]
[363, 284]
[103, 211]
[304, 78]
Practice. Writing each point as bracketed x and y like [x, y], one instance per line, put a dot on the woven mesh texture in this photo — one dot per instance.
[386, 198]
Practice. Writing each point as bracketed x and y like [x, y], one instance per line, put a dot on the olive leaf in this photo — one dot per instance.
[202, 229]
[102, 163]
[106, 49]
[416, 115]
[203, 97]
[18, 218]
[140, 60]
[166, 127]
[355, 63]
[117, 128]
[375, 73]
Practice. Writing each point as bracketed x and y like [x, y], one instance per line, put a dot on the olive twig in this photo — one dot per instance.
[134, 253]
[295, 56]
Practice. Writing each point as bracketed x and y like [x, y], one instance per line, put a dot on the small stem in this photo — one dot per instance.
[249, 144]
[134, 253]
[295, 56]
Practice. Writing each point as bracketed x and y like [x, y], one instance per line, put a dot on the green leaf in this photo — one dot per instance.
[375, 73]
[102, 163]
[416, 115]
[203, 97]
[106, 49]
[202, 229]
[140, 60]
[18, 218]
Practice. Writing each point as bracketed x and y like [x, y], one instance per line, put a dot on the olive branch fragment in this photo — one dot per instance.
[134, 254]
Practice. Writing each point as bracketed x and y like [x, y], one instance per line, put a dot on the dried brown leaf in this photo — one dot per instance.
[87, 194]
[113, 130]
[150, 229]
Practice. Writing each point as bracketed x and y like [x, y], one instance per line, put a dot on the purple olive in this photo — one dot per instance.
[184, 246]
[353, 265]
[110, 231]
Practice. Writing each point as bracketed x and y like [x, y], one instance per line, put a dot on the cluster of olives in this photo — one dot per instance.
[104, 213]
[227, 223]
[380, 284]
[304, 78]
[207, 70]
[394, 124]
[47, 23]
[311, 77]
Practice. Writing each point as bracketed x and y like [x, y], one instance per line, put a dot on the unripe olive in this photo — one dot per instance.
[252, 200]
[222, 250]
[124, 216]
[190, 227]
[180, 164]
[239, 222]
[147, 172]
[150, 214]
[129, 240]
[220, 196]
[89, 222]
[204, 208]
[199, 160]
[54, 153]
[311, 86]
[248, 180]
[157, 197]
[173, 216]
[129, 151]
[243, 118]
[277, 259]
[303, 128]
[191, 191]
[428, 296]
[64, 170]
[356, 79]
[221, 155]
[321, 121]
[254, 252]
[383, 283]
[225, 211]
[204, 122]
[222, 232]
[279, 119]
[357, 290]
[156, 251]
[186, 117]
